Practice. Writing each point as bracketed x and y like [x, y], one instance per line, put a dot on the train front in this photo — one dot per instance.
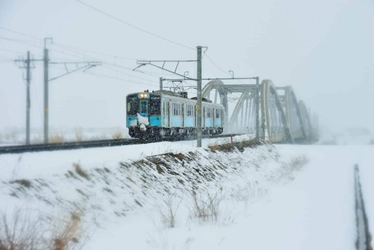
[143, 114]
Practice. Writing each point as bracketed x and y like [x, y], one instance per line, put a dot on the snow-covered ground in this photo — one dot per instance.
[281, 197]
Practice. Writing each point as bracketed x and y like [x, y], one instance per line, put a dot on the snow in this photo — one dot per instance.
[263, 202]
[143, 120]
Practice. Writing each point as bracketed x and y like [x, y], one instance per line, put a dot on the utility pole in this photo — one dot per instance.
[46, 61]
[28, 78]
[198, 106]
[26, 63]
[257, 108]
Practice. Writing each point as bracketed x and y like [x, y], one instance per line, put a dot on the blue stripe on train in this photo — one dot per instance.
[208, 122]
[189, 121]
[175, 121]
[217, 123]
[155, 121]
[130, 119]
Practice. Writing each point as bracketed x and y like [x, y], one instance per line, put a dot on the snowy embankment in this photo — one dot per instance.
[174, 196]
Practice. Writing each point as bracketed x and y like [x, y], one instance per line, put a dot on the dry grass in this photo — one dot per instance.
[298, 162]
[229, 147]
[117, 135]
[206, 206]
[57, 138]
[23, 230]
[80, 171]
[169, 213]
[67, 232]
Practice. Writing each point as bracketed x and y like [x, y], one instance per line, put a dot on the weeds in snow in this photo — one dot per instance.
[117, 134]
[206, 206]
[57, 138]
[169, 209]
[27, 230]
[80, 171]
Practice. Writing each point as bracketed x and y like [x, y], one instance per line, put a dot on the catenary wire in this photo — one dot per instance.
[22, 34]
[133, 26]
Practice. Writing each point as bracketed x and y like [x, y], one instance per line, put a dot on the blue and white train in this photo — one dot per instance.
[164, 114]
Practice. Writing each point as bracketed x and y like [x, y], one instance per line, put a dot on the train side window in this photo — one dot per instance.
[217, 113]
[176, 108]
[189, 110]
[208, 112]
[155, 105]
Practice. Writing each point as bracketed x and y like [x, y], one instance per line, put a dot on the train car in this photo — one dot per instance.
[164, 113]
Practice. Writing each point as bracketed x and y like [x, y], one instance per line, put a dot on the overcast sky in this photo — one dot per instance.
[323, 49]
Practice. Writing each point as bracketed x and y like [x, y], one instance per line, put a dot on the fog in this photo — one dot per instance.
[323, 49]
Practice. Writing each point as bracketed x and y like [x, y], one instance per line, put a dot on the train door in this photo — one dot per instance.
[183, 116]
[168, 114]
[213, 117]
[203, 118]
[143, 109]
[194, 116]
[163, 114]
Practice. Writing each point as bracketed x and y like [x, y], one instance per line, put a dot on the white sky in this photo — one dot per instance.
[324, 49]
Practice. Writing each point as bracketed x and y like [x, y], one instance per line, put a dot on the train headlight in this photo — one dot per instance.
[143, 95]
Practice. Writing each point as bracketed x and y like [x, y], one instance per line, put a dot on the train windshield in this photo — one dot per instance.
[155, 104]
[132, 104]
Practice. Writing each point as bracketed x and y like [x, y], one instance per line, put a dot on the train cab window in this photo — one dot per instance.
[176, 108]
[217, 113]
[132, 105]
[155, 105]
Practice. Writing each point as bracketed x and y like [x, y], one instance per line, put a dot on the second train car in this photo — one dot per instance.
[164, 113]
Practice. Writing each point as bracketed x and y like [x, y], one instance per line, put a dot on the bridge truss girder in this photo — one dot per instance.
[276, 125]
[293, 113]
[248, 97]
[284, 119]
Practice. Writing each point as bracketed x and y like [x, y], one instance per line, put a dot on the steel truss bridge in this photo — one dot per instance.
[268, 112]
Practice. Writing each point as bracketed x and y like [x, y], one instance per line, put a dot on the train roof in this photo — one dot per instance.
[175, 94]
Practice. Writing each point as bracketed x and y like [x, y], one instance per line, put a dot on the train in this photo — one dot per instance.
[163, 113]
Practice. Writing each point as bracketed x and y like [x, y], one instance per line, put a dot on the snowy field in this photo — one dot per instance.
[281, 197]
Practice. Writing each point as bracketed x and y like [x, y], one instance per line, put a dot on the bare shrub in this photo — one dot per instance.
[66, 232]
[57, 138]
[168, 211]
[18, 232]
[206, 206]
[26, 230]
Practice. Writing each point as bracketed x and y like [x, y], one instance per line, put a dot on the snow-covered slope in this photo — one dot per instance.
[174, 196]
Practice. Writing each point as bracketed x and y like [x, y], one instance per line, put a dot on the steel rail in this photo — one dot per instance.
[363, 241]
[87, 144]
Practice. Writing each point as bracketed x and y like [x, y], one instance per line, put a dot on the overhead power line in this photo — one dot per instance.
[133, 26]
[26, 42]
[22, 34]
[120, 79]
[83, 52]
[226, 72]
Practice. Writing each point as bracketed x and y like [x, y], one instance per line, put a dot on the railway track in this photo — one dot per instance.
[364, 238]
[85, 144]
